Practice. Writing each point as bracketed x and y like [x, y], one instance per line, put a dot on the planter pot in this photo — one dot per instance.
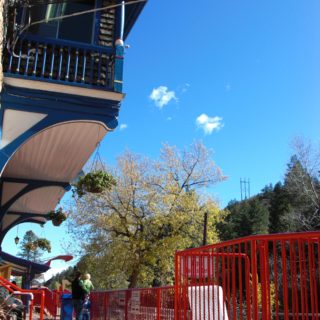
[56, 223]
[94, 189]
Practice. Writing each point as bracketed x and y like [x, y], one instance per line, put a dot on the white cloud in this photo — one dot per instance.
[185, 87]
[209, 124]
[162, 96]
[123, 126]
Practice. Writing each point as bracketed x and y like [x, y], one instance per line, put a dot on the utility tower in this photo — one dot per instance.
[244, 188]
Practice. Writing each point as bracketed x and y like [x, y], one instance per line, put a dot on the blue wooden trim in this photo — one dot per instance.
[28, 58]
[27, 215]
[32, 185]
[53, 102]
[36, 182]
[118, 72]
[15, 223]
[60, 109]
[46, 66]
[66, 83]
[68, 43]
[33, 267]
[1, 115]
[36, 60]
[44, 60]
[1, 193]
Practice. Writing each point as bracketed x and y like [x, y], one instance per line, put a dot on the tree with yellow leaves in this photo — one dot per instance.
[156, 208]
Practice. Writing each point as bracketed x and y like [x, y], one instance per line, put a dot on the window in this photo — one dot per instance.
[65, 28]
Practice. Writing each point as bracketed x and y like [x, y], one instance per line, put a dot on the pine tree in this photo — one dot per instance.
[244, 218]
[32, 247]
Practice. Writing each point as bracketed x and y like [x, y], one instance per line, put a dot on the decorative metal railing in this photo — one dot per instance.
[6, 307]
[61, 61]
[52, 301]
[259, 277]
[132, 304]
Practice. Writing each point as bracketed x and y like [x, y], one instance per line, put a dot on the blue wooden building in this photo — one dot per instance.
[61, 94]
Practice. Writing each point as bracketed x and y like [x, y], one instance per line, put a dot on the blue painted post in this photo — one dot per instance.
[119, 31]
[99, 68]
[60, 63]
[44, 60]
[84, 65]
[68, 64]
[76, 66]
[52, 62]
[19, 59]
[10, 63]
[28, 59]
[36, 60]
[118, 68]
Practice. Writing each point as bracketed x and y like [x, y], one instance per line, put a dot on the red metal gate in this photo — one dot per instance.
[257, 277]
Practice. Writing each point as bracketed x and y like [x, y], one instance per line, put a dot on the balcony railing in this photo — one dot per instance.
[61, 61]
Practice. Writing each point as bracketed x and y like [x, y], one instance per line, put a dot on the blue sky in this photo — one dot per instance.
[248, 70]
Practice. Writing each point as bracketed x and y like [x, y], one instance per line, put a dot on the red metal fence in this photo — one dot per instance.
[15, 291]
[52, 301]
[133, 304]
[257, 277]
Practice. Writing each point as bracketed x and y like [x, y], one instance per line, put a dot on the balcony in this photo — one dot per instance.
[62, 62]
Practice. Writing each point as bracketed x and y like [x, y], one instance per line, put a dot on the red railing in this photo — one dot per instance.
[15, 290]
[133, 304]
[52, 301]
[257, 277]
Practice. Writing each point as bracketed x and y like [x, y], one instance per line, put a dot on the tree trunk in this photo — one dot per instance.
[133, 279]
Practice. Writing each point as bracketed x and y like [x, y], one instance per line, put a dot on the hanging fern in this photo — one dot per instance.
[44, 244]
[94, 182]
[57, 216]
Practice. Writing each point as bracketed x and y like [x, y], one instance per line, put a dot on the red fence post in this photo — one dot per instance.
[126, 305]
[106, 306]
[265, 292]
[158, 303]
[254, 272]
[176, 286]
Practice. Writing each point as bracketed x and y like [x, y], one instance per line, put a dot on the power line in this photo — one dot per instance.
[30, 24]
[80, 13]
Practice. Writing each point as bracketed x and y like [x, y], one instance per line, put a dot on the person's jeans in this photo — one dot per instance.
[78, 307]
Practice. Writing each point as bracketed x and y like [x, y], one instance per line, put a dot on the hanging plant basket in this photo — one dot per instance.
[56, 223]
[94, 182]
[57, 217]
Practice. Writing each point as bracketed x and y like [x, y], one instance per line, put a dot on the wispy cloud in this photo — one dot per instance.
[209, 124]
[162, 96]
[123, 126]
[185, 87]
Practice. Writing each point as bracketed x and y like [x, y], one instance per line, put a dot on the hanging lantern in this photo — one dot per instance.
[16, 240]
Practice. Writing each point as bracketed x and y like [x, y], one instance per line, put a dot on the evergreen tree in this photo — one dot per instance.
[244, 218]
[280, 210]
[32, 247]
[302, 187]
